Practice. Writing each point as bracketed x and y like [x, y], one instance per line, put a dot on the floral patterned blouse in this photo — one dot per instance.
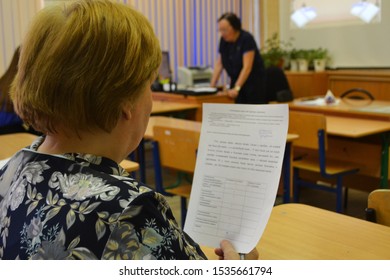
[80, 206]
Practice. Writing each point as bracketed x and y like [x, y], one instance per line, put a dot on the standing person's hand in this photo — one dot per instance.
[227, 252]
[232, 93]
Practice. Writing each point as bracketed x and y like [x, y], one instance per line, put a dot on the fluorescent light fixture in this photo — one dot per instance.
[365, 11]
[303, 15]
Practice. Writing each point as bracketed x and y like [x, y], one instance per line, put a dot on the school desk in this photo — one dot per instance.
[220, 97]
[302, 232]
[11, 143]
[357, 119]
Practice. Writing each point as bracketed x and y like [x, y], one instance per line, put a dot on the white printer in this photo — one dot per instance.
[194, 76]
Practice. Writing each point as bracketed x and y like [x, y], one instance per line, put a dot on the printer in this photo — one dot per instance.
[194, 76]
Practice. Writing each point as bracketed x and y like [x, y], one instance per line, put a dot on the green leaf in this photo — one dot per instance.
[151, 238]
[70, 219]
[100, 228]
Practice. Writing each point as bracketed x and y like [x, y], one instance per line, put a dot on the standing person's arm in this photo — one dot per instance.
[218, 67]
[247, 61]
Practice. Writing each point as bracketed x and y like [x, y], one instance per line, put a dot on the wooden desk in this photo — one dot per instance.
[193, 99]
[302, 232]
[164, 107]
[169, 122]
[376, 110]
[356, 122]
[11, 143]
[355, 128]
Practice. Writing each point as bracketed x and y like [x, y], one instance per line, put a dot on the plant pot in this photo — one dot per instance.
[303, 65]
[319, 65]
[293, 65]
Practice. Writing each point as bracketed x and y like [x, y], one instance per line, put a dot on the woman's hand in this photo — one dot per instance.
[232, 93]
[227, 252]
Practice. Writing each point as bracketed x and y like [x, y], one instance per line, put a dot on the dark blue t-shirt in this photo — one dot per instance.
[253, 90]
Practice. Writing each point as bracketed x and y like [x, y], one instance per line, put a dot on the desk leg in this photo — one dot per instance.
[385, 161]
[287, 173]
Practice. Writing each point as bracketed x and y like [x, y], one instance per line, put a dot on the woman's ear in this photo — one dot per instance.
[126, 111]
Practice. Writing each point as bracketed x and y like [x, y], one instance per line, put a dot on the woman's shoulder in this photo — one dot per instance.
[245, 35]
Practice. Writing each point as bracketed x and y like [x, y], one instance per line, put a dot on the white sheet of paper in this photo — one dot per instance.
[239, 161]
[3, 162]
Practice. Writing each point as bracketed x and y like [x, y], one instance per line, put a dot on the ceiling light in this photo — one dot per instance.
[365, 11]
[303, 15]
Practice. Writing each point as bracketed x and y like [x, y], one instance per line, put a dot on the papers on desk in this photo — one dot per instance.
[237, 173]
[316, 101]
[197, 90]
[203, 89]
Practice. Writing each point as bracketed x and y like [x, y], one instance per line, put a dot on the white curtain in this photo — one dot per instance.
[15, 16]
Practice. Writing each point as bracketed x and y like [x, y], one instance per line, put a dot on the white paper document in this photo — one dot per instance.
[239, 161]
[3, 162]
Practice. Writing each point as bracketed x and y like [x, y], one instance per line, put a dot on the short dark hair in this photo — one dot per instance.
[233, 20]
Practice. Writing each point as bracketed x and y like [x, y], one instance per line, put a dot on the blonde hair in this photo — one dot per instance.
[79, 64]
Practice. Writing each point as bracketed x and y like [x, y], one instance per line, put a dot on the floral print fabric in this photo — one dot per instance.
[78, 206]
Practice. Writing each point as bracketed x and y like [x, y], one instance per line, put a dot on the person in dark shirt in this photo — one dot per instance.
[240, 57]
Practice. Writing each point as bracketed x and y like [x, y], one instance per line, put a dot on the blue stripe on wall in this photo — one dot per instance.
[185, 35]
[194, 37]
[175, 42]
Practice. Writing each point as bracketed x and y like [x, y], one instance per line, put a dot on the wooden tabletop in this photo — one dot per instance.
[11, 143]
[170, 122]
[302, 232]
[220, 97]
[162, 107]
[362, 109]
[355, 128]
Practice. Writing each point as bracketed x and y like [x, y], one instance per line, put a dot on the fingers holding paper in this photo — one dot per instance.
[227, 252]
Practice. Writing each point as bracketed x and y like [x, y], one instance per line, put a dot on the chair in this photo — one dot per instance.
[357, 94]
[277, 86]
[311, 129]
[175, 148]
[378, 207]
[357, 97]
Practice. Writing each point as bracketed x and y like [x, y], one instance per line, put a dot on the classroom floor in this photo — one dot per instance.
[357, 200]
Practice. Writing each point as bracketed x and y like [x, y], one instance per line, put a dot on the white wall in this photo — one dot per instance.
[362, 45]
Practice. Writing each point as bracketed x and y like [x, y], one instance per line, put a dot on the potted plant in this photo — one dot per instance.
[303, 58]
[320, 58]
[274, 52]
[294, 60]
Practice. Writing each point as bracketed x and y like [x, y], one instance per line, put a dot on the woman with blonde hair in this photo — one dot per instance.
[84, 80]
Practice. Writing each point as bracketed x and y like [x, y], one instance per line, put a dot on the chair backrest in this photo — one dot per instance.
[357, 93]
[177, 146]
[379, 200]
[307, 126]
[277, 86]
